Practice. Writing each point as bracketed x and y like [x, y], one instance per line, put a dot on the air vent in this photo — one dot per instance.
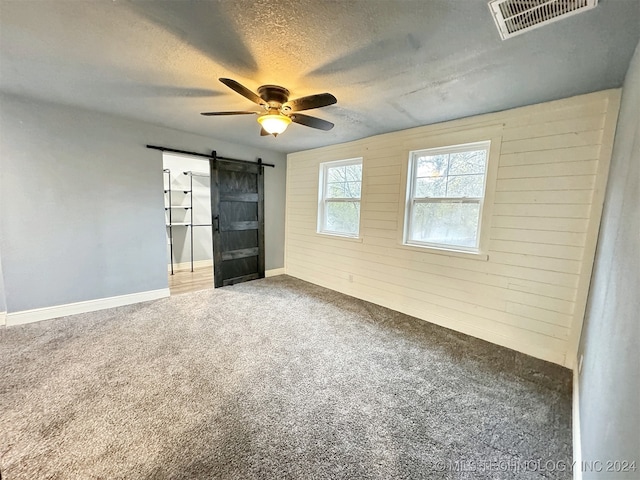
[514, 17]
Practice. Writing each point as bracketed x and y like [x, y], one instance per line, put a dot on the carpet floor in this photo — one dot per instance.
[273, 379]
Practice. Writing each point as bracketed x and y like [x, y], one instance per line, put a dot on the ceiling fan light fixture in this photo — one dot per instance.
[279, 111]
[275, 124]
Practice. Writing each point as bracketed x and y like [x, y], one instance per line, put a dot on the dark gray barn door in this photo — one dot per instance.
[237, 210]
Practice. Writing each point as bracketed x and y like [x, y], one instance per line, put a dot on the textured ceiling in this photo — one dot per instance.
[392, 64]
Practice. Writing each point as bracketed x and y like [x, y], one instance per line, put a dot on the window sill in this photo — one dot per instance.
[483, 257]
[337, 236]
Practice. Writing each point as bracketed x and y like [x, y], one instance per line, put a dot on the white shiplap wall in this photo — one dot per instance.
[528, 292]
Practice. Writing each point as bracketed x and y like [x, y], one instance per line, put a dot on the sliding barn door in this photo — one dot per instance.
[237, 210]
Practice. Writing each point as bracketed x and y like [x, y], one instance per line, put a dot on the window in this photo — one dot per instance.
[445, 193]
[339, 197]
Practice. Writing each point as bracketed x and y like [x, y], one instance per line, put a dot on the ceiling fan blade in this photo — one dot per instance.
[237, 112]
[312, 101]
[263, 132]
[242, 90]
[312, 122]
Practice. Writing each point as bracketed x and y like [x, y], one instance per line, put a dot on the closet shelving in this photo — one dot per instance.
[192, 174]
[170, 207]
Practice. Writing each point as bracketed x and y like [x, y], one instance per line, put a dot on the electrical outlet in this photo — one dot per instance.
[350, 278]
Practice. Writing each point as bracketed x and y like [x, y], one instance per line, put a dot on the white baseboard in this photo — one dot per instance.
[274, 272]
[47, 313]
[187, 265]
[575, 416]
[3, 319]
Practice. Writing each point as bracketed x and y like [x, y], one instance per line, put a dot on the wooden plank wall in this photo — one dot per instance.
[529, 291]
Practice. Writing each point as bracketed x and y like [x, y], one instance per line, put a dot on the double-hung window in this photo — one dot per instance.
[339, 197]
[445, 194]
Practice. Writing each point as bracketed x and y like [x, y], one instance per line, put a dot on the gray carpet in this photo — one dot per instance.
[273, 379]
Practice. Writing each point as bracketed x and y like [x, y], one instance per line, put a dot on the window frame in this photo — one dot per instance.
[323, 200]
[412, 200]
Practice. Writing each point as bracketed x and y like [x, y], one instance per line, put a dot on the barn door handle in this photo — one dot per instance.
[216, 223]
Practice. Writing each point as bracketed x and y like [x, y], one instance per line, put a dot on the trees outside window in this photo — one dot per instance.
[446, 188]
[339, 199]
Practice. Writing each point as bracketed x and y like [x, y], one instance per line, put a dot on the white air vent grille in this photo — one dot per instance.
[514, 17]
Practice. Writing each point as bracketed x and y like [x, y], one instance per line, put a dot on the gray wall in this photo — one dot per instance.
[81, 202]
[3, 302]
[610, 378]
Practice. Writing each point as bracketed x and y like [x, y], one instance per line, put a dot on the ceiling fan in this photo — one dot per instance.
[277, 110]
